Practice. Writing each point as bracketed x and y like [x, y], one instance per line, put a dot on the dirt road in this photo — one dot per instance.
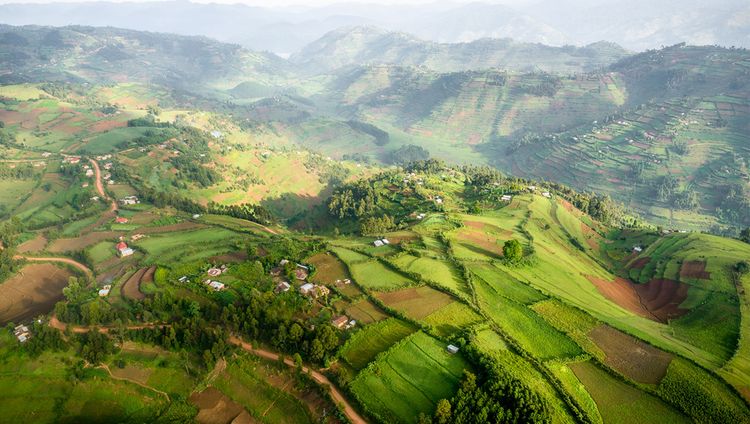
[100, 185]
[68, 261]
[337, 396]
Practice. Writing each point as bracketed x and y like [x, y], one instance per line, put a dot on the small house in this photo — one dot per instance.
[22, 333]
[385, 241]
[84, 185]
[136, 237]
[351, 324]
[306, 289]
[196, 216]
[121, 220]
[283, 262]
[183, 279]
[452, 349]
[546, 194]
[214, 272]
[340, 321]
[89, 172]
[104, 291]
[377, 243]
[320, 291]
[217, 286]
[637, 249]
[506, 198]
[129, 200]
[123, 249]
[282, 287]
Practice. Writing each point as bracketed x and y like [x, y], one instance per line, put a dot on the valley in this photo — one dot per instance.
[192, 231]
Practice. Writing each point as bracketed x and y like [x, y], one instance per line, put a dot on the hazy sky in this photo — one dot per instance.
[283, 3]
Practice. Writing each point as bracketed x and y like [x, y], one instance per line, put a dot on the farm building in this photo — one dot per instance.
[637, 249]
[351, 324]
[282, 287]
[340, 321]
[72, 159]
[283, 262]
[104, 291]
[84, 185]
[129, 200]
[217, 286]
[301, 272]
[547, 194]
[214, 272]
[306, 289]
[452, 349]
[22, 333]
[381, 242]
[121, 220]
[196, 216]
[123, 249]
[136, 237]
[89, 172]
[506, 198]
[183, 279]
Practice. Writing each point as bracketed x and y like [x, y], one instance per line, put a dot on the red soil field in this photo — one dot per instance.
[694, 269]
[131, 288]
[640, 263]
[657, 300]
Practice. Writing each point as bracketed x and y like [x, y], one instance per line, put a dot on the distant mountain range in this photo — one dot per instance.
[368, 45]
[635, 25]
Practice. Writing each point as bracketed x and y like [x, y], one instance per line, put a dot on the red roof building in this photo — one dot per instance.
[121, 220]
[121, 246]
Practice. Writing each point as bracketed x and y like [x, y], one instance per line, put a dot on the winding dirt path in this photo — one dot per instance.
[337, 396]
[68, 261]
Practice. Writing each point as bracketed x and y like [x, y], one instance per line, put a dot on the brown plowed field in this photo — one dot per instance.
[694, 269]
[640, 263]
[657, 300]
[79, 243]
[417, 302]
[631, 357]
[663, 298]
[216, 408]
[32, 292]
[34, 245]
[131, 288]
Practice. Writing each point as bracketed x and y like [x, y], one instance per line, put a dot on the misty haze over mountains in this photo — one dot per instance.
[636, 25]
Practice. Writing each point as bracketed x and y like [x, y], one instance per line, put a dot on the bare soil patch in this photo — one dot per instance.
[234, 258]
[215, 407]
[416, 302]
[102, 126]
[32, 292]
[131, 288]
[694, 269]
[640, 263]
[486, 243]
[631, 357]
[34, 245]
[82, 242]
[663, 297]
[658, 300]
[133, 373]
[621, 292]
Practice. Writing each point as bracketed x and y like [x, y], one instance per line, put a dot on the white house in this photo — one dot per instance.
[452, 349]
[306, 288]
[104, 291]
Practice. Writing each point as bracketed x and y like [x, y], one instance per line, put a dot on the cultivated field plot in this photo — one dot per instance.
[188, 245]
[524, 325]
[82, 242]
[216, 407]
[376, 276]
[244, 383]
[349, 256]
[621, 403]
[416, 302]
[434, 270]
[409, 379]
[32, 292]
[365, 312]
[635, 359]
[373, 339]
[452, 318]
[131, 289]
[504, 284]
[328, 268]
